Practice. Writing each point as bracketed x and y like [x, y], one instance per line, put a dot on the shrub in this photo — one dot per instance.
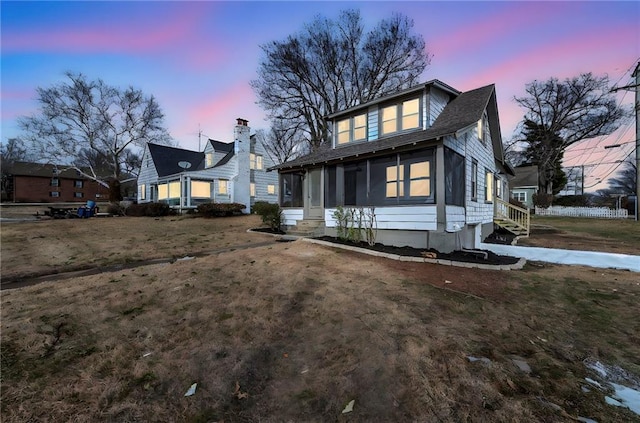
[115, 209]
[149, 209]
[220, 209]
[542, 200]
[271, 214]
[572, 201]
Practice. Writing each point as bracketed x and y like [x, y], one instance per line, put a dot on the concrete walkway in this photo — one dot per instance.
[553, 255]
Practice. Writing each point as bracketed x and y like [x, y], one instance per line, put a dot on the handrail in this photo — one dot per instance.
[514, 214]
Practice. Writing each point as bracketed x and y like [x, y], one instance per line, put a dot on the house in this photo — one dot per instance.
[28, 182]
[524, 184]
[428, 160]
[222, 173]
[575, 181]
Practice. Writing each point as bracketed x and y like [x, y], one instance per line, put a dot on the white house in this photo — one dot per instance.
[223, 173]
[429, 159]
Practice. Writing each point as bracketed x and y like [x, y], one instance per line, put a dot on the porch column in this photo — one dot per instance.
[440, 190]
[187, 181]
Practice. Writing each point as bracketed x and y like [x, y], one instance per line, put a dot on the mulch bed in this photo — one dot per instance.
[462, 256]
[268, 231]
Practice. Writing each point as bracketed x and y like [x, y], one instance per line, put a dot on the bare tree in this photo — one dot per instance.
[95, 128]
[14, 150]
[282, 143]
[567, 112]
[624, 181]
[331, 65]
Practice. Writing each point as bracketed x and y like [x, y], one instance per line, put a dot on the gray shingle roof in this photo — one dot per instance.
[166, 159]
[463, 111]
[526, 176]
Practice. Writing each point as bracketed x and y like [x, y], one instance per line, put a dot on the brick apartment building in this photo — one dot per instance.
[44, 183]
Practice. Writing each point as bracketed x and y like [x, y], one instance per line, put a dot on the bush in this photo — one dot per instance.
[220, 209]
[572, 201]
[271, 214]
[542, 200]
[115, 209]
[149, 209]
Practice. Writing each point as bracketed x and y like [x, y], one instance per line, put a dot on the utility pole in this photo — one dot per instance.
[636, 74]
[636, 107]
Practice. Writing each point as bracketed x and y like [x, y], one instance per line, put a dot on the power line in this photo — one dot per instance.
[612, 170]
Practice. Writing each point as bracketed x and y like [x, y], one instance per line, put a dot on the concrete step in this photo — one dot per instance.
[308, 228]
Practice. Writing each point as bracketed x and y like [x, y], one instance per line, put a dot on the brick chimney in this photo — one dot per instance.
[242, 147]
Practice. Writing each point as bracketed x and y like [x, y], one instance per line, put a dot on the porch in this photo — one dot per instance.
[512, 218]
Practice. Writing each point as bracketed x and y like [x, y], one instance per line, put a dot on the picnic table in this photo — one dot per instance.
[61, 212]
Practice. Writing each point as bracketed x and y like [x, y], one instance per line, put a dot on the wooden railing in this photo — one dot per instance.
[513, 218]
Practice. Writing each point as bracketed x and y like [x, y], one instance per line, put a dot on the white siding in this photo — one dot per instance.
[455, 218]
[148, 175]
[478, 211]
[439, 100]
[291, 216]
[262, 178]
[421, 218]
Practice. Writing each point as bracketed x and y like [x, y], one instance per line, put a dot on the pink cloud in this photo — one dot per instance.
[492, 29]
[217, 115]
[562, 59]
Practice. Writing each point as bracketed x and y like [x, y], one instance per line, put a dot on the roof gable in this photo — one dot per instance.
[221, 146]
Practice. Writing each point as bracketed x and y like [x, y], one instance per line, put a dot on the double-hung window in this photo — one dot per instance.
[400, 116]
[474, 180]
[255, 161]
[223, 188]
[488, 186]
[208, 160]
[353, 128]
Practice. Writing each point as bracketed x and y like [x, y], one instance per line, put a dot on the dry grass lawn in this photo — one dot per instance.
[294, 331]
[572, 233]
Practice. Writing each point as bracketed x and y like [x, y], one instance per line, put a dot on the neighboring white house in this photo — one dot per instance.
[429, 159]
[223, 173]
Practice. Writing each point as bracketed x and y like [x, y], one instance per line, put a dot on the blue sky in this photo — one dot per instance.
[197, 58]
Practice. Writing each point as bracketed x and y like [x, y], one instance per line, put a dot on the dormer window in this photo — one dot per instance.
[353, 128]
[208, 160]
[400, 116]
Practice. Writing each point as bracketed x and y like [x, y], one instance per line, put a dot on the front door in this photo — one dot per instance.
[313, 205]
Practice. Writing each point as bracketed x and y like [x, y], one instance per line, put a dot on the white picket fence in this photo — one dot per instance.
[601, 212]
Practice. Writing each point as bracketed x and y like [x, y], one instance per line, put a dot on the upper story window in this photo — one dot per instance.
[208, 160]
[55, 182]
[78, 183]
[483, 128]
[255, 161]
[352, 129]
[400, 116]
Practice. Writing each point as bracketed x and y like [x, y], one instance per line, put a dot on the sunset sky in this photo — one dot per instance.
[197, 58]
